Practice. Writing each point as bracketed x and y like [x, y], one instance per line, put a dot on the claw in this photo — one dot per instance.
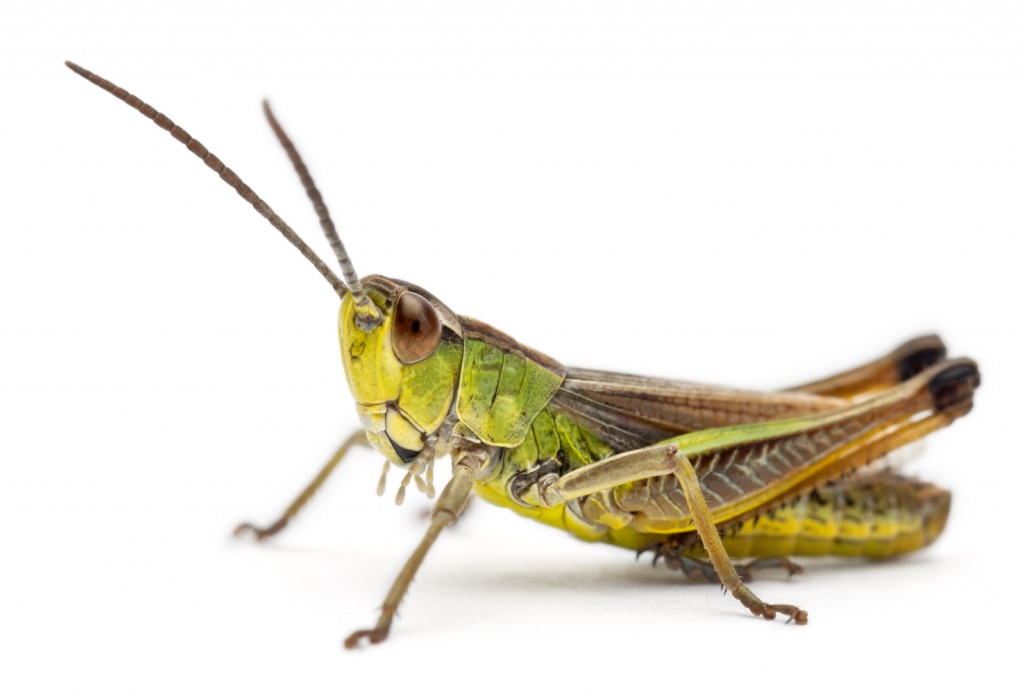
[795, 614]
[374, 635]
[260, 534]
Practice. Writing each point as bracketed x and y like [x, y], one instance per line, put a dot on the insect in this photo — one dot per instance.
[699, 476]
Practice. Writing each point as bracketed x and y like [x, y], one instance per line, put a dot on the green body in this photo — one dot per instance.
[484, 385]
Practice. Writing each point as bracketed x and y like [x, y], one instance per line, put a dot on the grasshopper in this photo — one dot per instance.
[698, 475]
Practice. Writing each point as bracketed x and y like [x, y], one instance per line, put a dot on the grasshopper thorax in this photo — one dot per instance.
[402, 372]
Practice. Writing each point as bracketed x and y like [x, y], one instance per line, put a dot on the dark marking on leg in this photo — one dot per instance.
[955, 385]
[920, 354]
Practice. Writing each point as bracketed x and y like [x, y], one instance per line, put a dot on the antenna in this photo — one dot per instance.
[225, 172]
[364, 308]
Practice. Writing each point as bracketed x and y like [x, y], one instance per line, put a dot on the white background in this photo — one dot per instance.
[752, 196]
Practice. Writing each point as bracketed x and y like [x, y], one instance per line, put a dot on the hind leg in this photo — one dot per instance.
[673, 552]
[900, 364]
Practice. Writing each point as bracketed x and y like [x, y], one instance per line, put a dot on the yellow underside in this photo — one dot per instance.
[807, 530]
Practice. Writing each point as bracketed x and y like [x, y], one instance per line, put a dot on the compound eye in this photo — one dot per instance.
[417, 329]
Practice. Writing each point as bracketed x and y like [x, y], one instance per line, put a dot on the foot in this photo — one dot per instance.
[375, 636]
[673, 552]
[260, 534]
[746, 570]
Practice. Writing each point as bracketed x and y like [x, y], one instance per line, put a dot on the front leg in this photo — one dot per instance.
[260, 533]
[467, 462]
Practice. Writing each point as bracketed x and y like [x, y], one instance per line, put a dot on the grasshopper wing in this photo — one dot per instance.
[628, 411]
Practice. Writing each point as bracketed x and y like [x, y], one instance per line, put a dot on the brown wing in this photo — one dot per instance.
[629, 411]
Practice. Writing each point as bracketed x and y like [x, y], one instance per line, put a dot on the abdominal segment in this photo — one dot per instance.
[874, 514]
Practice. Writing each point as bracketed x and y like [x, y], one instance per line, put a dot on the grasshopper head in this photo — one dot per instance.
[403, 367]
[401, 347]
